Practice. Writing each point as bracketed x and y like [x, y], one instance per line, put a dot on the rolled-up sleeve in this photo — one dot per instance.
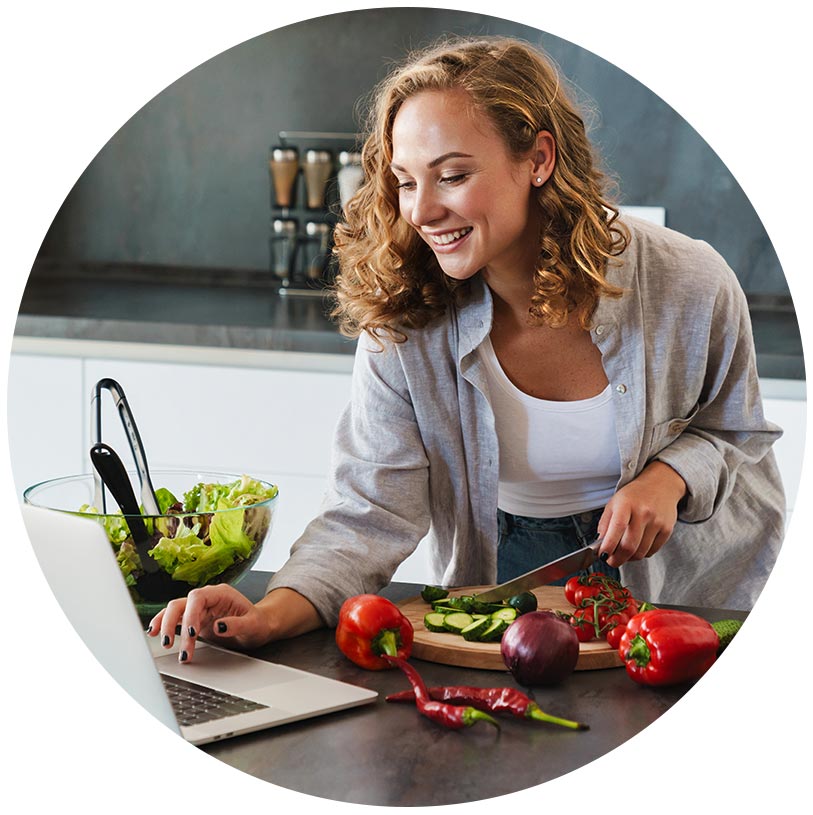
[729, 428]
[376, 508]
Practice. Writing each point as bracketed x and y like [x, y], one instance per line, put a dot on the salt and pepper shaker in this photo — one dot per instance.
[317, 248]
[350, 176]
[317, 168]
[283, 248]
[284, 165]
[300, 257]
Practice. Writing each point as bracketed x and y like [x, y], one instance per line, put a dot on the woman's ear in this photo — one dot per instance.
[544, 159]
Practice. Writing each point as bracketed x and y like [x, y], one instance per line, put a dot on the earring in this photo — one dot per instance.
[538, 180]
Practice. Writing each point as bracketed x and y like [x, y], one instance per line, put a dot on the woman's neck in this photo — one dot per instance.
[511, 297]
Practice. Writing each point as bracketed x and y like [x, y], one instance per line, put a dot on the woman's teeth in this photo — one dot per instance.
[450, 237]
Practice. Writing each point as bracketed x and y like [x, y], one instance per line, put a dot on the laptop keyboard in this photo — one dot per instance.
[195, 704]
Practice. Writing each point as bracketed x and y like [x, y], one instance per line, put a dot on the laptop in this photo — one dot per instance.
[218, 694]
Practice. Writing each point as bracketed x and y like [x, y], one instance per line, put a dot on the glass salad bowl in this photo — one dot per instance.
[212, 529]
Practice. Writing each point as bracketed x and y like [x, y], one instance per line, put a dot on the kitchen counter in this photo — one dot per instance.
[387, 754]
[243, 310]
[176, 307]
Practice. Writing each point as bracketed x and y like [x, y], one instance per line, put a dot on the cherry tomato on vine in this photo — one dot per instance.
[584, 592]
[570, 589]
[614, 634]
[583, 620]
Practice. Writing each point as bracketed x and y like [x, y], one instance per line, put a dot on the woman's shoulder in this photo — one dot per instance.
[661, 256]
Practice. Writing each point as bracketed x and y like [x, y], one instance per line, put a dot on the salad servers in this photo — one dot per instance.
[148, 499]
[110, 468]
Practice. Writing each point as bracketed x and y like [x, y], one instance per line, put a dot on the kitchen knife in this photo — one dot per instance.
[555, 570]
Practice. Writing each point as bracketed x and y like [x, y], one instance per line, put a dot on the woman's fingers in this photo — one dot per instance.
[612, 528]
[212, 612]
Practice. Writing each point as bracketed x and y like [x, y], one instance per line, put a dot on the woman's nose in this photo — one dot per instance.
[426, 206]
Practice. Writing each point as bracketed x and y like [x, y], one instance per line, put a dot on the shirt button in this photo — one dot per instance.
[621, 388]
[599, 330]
[630, 465]
[676, 427]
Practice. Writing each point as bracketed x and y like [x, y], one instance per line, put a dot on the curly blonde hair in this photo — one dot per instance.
[389, 278]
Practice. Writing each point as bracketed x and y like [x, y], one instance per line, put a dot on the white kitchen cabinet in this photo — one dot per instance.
[790, 415]
[45, 418]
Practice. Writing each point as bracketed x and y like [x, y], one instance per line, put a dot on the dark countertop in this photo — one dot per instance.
[244, 310]
[387, 754]
[176, 307]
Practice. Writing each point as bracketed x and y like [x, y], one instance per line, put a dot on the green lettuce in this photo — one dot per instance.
[242, 492]
[115, 525]
[196, 554]
[192, 560]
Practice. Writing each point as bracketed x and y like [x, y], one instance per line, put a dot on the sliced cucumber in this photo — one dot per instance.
[508, 614]
[462, 603]
[472, 632]
[524, 603]
[457, 621]
[434, 621]
[431, 594]
[480, 607]
[442, 608]
[494, 630]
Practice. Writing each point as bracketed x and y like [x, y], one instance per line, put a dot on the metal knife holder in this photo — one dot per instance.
[305, 208]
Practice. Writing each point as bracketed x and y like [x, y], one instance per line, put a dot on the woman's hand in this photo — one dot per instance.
[222, 614]
[640, 517]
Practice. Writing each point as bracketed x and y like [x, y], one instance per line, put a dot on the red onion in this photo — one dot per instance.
[539, 648]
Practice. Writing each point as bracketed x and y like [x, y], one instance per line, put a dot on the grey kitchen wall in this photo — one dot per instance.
[185, 182]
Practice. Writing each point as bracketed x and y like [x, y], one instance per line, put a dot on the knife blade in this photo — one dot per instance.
[555, 570]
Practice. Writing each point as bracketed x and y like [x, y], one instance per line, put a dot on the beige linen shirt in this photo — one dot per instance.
[416, 453]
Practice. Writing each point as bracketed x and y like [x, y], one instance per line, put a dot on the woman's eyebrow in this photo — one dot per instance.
[436, 161]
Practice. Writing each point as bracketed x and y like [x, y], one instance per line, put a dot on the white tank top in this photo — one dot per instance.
[556, 458]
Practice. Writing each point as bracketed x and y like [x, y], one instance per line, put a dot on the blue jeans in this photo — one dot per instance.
[525, 543]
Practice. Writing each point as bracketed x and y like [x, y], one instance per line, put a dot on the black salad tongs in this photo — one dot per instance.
[148, 499]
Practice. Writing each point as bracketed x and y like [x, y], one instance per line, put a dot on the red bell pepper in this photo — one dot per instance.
[371, 626]
[667, 647]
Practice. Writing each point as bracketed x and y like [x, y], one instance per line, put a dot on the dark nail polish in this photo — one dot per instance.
[178, 630]
[165, 641]
[192, 631]
[149, 629]
[605, 556]
[184, 656]
[221, 627]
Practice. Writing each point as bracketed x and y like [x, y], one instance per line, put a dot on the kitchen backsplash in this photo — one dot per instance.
[186, 182]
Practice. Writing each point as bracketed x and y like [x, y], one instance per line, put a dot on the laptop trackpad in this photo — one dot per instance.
[226, 670]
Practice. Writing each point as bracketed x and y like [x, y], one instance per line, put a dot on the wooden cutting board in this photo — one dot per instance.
[452, 649]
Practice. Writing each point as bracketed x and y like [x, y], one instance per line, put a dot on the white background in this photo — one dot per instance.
[73, 73]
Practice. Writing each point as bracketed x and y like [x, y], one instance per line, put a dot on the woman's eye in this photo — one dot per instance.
[453, 179]
[404, 185]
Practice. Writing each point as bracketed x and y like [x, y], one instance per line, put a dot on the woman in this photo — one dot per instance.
[531, 368]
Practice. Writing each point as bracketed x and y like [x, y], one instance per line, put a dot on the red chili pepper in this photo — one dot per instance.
[451, 716]
[371, 627]
[667, 647]
[494, 700]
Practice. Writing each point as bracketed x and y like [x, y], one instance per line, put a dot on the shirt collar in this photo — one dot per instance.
[475, 315]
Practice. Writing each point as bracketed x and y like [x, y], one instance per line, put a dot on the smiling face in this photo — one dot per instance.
[461, 190]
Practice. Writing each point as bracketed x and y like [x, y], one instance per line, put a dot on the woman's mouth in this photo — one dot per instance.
[448, 239]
